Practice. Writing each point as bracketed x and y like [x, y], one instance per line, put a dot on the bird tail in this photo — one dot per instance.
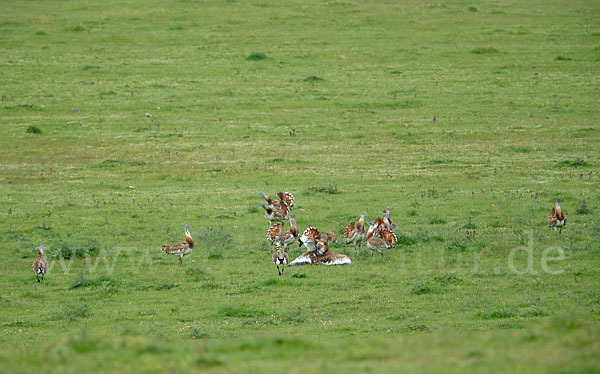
[165, 248]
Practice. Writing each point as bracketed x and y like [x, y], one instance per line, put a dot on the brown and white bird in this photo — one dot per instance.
[183, 248]
[285, 198]
[275, 214]
[285, 237]
[385, 240]
[322, 255]
[389, 223]
[356, 234]
[330, 236]
[557, 219]
[309, 239]
[40, 265]
[280, 256]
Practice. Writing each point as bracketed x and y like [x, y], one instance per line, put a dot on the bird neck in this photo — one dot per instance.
[360, 225]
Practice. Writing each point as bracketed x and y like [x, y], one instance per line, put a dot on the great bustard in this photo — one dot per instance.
[557, 219]
[183, 248]
[356, 234]
[321, 255]
[275, 214]
[40, 265]
[285, 198]
[330, 236]
[280, 256]
[389, 223]
[385, 240]
[309, 239]
[285, 237]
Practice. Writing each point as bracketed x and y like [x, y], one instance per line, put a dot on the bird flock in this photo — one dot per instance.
[379, 237]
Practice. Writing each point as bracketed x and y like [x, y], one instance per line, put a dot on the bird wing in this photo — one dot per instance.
[175, 248]
[332, 258]
[327, 258]
[272, 202]
[304, 259]
[36, 265]
[350, 230]
[309, 237]
[388, 236]
[311, 234]
[274, 231]
[286, 236]
[552, 217]
[287, 198]
[338, 259]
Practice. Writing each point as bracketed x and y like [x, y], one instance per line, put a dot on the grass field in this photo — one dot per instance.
[469, 118]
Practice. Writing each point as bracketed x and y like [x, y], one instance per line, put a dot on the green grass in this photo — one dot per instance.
[468, 118]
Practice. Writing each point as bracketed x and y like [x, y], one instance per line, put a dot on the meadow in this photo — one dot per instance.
[468, 118]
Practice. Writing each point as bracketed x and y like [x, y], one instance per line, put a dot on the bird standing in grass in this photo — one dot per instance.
[280, 256]
[183, 248]
[40, 265]
[385, 240]
[389, 223]
[557, 219]
[356, 234]
[285, 237]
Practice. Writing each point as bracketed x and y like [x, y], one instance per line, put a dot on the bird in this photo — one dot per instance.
[40, 265]
[321, 255]
[285, 198]
[280, 256]
[378, 223]
[330, 236]
[356, 234]
[285, 237]
[389, 223]
[386, 239]
[274, 214]
[183, 248]
[381, 230]
[309, 239]
[557, 219]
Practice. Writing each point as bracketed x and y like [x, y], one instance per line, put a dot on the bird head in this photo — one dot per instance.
[187, 230]
[41, 249]
[558, 200]
[320, 247]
